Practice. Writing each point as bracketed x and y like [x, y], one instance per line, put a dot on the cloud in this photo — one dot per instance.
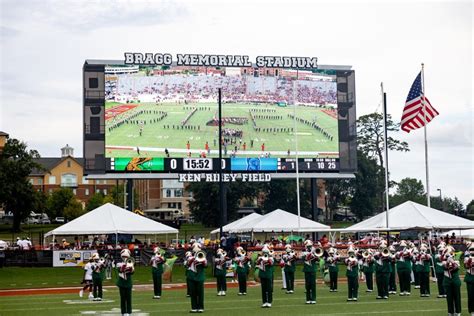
[84, 17]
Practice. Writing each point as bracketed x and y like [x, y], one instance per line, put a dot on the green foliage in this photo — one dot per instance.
[470, 207]
[95, 201]
[281, 194]
[409, 189]
[16, 193]
[117, 195]
[338, 191]
[73, 210]
[205, 204]
[370, 136]
[365, 186]
[58, 201]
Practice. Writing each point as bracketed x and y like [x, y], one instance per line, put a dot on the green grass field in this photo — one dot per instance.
[122, 141]
[174, 302]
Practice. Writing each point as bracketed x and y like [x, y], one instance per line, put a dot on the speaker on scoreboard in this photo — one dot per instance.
[95, 110]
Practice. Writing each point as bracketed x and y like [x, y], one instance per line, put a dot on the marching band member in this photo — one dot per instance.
[392, 280]
[288, 263]
[243, 263]
[187, 255]
[87, 279]
[221, 271]
[265, 263]
[469, 277]
[439, 271]
[368, 269]
[451, 282]
[382, 271]
[404, 260]
[124, 282]
[197, 263]
[109, 262]
[98, 267]
[424, 259]
[311, 258]
[157, 262]
[416, 268]
[352, 274]
[332, 260]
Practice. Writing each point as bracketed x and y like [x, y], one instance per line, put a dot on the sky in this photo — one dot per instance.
[43, 45]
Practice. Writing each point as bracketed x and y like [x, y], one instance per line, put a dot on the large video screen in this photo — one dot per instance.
[161, 117]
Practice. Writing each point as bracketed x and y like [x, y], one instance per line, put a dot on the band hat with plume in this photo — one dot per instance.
[125, 253]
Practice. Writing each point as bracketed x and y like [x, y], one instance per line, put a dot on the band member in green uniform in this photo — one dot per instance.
[197, 264]
[382, 272]
[187, 255]
[416, 267]
[311, 258]
[392, 280]
[469, 277]
[451, 282]
[439, 271]
[424, 266]
[404, 261]
[243, 263]
[124, 282]
[157, 262]
[288, 264]
[98, 268]
[265, 273]
[352, 274]
[220, 271]
[368, 269]
[331, 261]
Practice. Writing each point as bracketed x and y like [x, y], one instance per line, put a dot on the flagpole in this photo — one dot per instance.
[384, 100]
[296, 154]
[423, 106]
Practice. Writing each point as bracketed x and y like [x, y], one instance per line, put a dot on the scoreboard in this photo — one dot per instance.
[178, 165]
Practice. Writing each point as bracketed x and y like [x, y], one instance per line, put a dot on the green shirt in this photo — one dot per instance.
[266, 273]
[383, 266]
[199, 275]
[352, 271]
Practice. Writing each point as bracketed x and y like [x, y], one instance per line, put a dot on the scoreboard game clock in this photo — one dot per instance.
[201, 164]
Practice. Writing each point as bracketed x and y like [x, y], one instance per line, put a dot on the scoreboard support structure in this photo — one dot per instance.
[222, 187]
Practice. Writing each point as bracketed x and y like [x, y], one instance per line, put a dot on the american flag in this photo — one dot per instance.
[413, 116]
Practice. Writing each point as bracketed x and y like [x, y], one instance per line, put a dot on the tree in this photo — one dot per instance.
[370, 136]
[16, 193]
[73, 210]
[365, 186]
[370, 140]
[58, 201]
[409, 189]
[281, 193]
[338, 191]
[205, 203]
[95, 201]
[470, 207]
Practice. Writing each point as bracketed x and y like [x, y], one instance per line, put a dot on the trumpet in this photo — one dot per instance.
[243, 252]
[130, 263]
[223, 254]
[200, 256]
[102, 260]
[366, 254]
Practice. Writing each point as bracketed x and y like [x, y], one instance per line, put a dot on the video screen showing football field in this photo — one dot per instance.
[174, 113]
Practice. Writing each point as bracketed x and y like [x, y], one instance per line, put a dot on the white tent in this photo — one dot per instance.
[466, 234]
[411, 215]
[235, 224]
[111, 219]
[280, 221]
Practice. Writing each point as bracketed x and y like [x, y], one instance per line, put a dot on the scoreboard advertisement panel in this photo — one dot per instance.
[164, 118]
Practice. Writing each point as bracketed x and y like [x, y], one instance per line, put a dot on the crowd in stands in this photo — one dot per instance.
[246, 88]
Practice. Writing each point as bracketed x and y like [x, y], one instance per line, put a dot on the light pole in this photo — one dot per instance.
[441, 199]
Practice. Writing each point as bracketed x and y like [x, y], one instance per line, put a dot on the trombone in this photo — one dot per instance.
[200, 256]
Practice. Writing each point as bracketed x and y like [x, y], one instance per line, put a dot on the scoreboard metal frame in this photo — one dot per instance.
[96, 165]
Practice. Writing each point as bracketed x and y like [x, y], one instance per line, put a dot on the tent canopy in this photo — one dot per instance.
[411, 215]
[235, 224]
[111, 219]
[280, 221]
